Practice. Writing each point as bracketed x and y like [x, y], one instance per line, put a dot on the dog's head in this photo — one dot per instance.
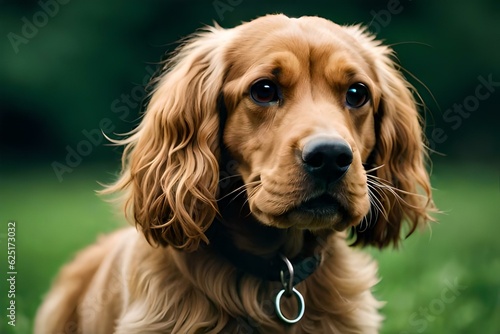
[323, 128]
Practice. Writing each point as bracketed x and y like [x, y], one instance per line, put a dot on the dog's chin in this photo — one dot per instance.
[319, 213]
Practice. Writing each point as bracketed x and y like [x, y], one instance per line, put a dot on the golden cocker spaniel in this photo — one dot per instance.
[262, 146]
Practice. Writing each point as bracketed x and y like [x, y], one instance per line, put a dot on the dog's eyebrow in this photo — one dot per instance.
[341, 71]
[283, 66]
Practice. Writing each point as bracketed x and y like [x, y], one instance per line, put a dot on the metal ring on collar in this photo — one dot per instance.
[288, 286]
[300, 302]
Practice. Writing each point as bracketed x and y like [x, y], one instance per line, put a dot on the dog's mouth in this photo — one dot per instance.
[321, 206]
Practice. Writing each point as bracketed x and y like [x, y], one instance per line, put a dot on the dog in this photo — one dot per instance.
[265, 153]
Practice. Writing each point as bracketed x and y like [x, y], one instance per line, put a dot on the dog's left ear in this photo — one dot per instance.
[399, 157]
[170, 163]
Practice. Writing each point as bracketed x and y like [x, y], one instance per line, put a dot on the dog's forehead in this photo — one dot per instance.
[279, 31]
[274, 41]
[271, 23]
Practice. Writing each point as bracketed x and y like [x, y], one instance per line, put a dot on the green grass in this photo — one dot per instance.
[56, 219]
[53, 219]
[462, 250]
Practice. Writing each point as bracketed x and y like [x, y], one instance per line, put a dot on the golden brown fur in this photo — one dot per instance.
[208, 159]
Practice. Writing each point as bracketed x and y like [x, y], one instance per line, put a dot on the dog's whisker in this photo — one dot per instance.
[376, 202]
[373, 169]
[253, 191]
[385, 185]
[392, 190]
[373, 212]
[243, 189]
[365, 222]
[250, 195]
[221, 180]
[239, 190]
[239, 193]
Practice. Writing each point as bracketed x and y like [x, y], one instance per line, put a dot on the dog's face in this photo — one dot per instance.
[301, 100]
[323, 127]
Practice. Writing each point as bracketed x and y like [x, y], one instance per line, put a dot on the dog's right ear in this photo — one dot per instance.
[170, 162]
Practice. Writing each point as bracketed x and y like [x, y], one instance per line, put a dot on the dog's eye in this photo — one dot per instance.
[357, 95]
[265, 93]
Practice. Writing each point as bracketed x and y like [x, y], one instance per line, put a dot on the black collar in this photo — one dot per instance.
[268, 269]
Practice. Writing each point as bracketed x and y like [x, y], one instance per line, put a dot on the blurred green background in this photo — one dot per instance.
[70, 68]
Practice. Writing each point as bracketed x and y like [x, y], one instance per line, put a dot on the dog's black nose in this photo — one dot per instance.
[327, 159]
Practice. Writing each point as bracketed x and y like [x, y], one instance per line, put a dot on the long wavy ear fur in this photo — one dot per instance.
[170, 163]
[399, 157]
